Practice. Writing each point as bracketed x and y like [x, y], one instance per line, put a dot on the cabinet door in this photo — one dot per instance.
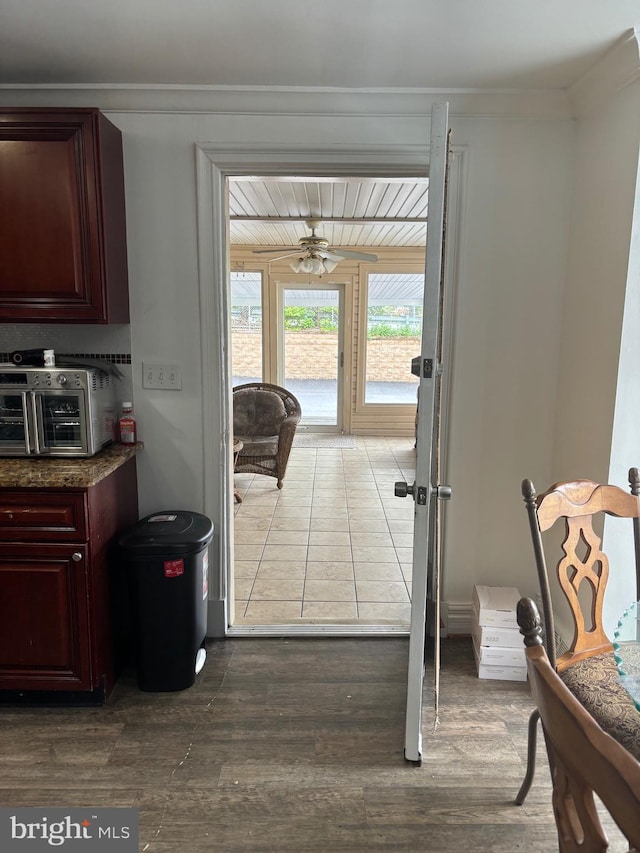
[62, 225]
[44, 618]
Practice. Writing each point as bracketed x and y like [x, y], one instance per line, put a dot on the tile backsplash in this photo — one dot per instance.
[112, 343]
[66, 338]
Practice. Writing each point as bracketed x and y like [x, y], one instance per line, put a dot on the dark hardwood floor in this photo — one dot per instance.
[293, 745]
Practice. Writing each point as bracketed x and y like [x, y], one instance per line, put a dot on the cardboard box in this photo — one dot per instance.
[500, 673]
[496, 656]
[505, 638]
[496, 605]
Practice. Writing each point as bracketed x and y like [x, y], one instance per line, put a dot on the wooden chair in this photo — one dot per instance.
[588, 668]
[583, 759]
[265, 418]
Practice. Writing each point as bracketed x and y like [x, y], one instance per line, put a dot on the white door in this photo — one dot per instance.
[427, 492]
[311, 351]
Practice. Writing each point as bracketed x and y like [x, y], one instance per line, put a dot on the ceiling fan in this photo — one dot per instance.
[314, 255]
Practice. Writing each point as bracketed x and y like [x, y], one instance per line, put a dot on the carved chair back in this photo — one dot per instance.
[583, 570]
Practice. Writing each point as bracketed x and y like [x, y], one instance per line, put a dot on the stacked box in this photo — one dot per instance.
[497, 642]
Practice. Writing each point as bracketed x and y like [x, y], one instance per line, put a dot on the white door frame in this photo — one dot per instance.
[214, 163]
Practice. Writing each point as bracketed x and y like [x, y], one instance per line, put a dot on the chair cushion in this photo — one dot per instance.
[596, 684]
[258, 445]
[257, 412]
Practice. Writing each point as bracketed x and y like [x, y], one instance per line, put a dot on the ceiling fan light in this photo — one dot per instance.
[312, 265]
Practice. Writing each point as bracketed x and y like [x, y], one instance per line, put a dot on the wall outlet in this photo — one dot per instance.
[166, 376]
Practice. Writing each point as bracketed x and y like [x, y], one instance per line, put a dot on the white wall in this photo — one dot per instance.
[506, 345]
[513, 233]
[596, 429]
[544, 378]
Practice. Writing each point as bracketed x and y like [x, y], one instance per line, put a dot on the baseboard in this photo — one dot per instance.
[216, 618]
[459, 619]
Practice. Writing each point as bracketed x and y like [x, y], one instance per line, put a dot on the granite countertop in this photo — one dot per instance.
[71, 473]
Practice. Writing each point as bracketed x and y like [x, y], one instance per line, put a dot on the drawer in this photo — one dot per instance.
[34, 515]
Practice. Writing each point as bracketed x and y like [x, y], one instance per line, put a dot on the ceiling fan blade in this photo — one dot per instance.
[347, 253]
[282, 257]
[271, 251]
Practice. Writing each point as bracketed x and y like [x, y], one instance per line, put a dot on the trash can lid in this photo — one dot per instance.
[168, 532]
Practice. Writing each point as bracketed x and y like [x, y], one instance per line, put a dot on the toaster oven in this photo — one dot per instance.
[51, 411]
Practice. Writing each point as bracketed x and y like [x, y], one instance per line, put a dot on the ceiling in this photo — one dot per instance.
[477, 44]
[352, 211]
[359, 44]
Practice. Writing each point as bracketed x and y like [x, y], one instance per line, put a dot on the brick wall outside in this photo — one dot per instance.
[312, 355]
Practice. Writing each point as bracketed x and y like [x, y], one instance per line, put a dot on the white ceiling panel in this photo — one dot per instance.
[351, 211]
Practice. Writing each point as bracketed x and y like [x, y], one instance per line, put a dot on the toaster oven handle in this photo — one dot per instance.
[26, 405]
[34, 421]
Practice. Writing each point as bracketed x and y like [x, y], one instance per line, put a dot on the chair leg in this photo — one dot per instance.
[531, 757]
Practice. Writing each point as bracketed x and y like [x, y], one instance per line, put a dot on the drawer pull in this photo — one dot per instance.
[76, 556]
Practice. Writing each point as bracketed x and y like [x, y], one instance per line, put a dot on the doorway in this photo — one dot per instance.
[215, 165]
[334, 546]
[310, 343]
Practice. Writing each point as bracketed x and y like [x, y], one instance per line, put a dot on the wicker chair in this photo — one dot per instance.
[588, 668]
[265, 418]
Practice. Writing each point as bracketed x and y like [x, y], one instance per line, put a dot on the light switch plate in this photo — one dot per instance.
[163, 376]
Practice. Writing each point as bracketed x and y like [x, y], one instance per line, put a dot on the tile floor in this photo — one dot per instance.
[334, 545]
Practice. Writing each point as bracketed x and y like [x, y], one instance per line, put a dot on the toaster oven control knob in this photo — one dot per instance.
[76, 556]
[62, 379]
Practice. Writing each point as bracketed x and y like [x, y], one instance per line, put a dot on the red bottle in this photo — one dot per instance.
[127, 425]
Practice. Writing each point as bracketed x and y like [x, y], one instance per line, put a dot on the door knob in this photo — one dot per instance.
[76, 556]
[402, 489]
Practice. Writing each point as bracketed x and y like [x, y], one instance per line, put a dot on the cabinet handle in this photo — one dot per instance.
[76, 556]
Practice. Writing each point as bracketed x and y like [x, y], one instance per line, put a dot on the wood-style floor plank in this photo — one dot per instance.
[294, 745]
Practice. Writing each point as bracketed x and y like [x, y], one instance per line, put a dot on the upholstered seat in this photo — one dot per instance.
[596, 685]
[265, 418]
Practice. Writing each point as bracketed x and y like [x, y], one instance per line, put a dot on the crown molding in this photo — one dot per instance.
[266, 100]
[618, 68]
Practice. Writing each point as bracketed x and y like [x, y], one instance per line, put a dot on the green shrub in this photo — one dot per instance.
[383, 330]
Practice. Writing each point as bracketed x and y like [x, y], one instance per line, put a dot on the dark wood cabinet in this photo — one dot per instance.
[63, 249]
[62, 608]
[45, 618]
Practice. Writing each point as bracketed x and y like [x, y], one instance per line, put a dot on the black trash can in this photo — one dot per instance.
[168, 568]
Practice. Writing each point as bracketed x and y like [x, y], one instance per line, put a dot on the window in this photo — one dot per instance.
[246, 327]
[394, 330]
